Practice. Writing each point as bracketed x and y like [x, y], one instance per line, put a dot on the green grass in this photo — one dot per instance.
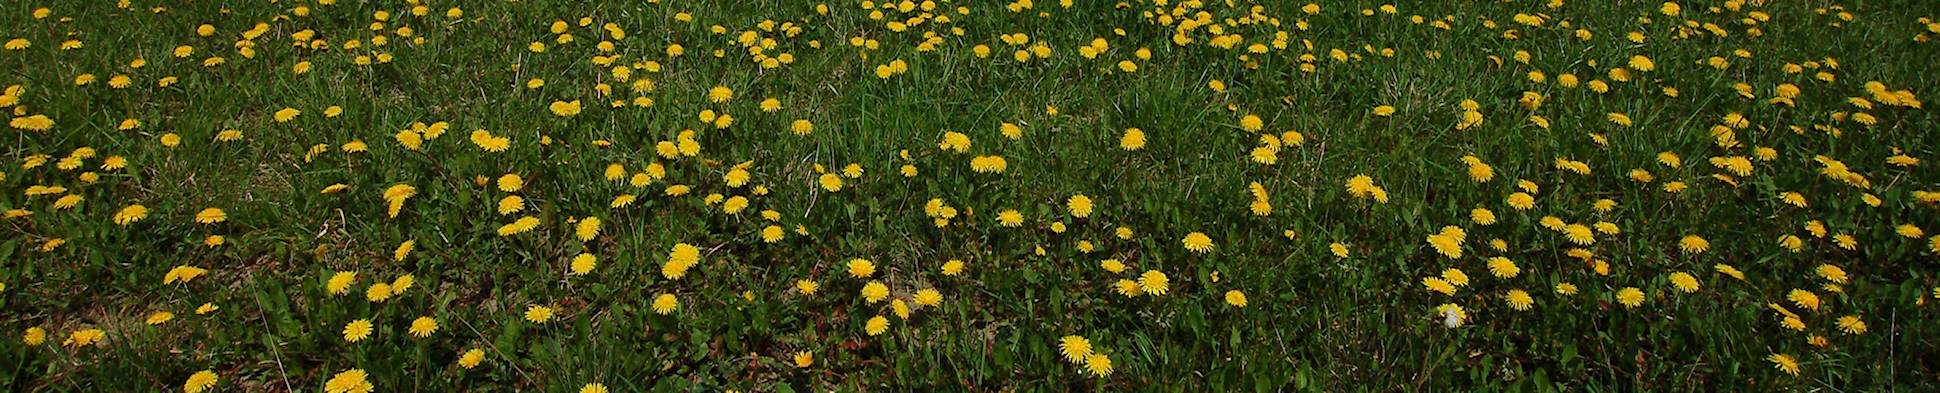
[1313, 320]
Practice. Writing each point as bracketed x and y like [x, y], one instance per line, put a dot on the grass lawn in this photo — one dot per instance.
[1155, 195]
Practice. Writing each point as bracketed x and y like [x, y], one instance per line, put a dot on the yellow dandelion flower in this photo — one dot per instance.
[159, 317]
[1251, 122]
[1785, 363]
[538, 314]
[861, 268]
[1074, 348]
[1684, 282]
[876, 326]
[471, 358]
[130, 214]
[1693, 244]
[201, 381]
[874, 292]
[1132, 140]
[1503, 267]
[357, 330]
[1198, 242]
[423, 327]
[1154, 282]
[587, 228]
[1236, 298]
[583, 264]
[665, 304]
[1098, 364]
[1804, 299]
[352, 381]
[1630, 297]
[1518, 299]
[1851, 324]
[340, 282]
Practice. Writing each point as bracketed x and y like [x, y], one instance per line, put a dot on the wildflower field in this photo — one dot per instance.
[955, 195]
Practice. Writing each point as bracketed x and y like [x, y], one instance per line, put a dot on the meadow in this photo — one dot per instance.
[954, 195]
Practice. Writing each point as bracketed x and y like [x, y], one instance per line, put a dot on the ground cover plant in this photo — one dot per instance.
[1153, 195]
